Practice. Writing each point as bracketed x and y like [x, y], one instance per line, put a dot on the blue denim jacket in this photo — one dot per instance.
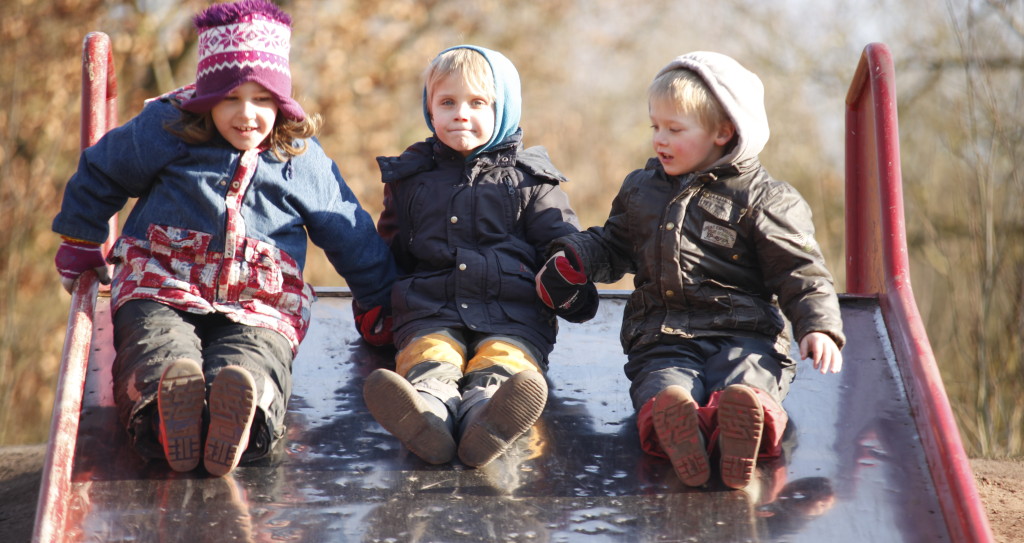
[183, 186]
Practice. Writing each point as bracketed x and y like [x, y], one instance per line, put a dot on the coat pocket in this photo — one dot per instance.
[418, 297]
[731, 308]
[271, 276]
[260, 268]
[515, 280]
[177, 259]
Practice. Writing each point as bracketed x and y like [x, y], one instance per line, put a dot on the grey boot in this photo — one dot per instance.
[420, 420]
[490, 424]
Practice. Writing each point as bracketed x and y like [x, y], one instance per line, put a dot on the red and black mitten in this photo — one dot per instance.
[563, 286]
[75, 257]
[374, 324]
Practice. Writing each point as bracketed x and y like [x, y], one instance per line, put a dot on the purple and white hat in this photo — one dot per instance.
[240, 42]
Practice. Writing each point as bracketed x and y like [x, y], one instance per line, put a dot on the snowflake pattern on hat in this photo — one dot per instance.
[259, 43]
[240, 42]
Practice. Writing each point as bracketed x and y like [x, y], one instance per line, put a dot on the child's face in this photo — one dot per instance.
[682, 143]
[246, 115]
[462, 116]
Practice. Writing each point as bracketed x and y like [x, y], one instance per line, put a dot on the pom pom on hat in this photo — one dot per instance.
[240, 42]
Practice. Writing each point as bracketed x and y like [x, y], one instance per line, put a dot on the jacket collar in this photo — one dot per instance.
[427, 154]
[502, 154]
[721, 170]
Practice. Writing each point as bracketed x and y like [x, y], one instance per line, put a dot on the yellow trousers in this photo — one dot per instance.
[444, 346]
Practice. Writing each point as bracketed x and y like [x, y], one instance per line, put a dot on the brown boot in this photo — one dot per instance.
[232, 408]
[740, 424]
[180, 399]
[491, 426]
[678, 429]
[420, 421]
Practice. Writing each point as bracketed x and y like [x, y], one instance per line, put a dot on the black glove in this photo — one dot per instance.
[563, 286]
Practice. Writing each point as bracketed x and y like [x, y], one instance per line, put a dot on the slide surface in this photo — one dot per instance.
[854, 469]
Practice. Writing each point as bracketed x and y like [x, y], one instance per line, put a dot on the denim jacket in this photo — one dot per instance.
[199, 241]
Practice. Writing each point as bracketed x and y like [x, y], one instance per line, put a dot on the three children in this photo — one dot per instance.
[210, 305]
[723, 254]
[208, 297]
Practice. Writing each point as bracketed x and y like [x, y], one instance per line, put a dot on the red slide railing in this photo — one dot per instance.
[99, 114]
[877, 264]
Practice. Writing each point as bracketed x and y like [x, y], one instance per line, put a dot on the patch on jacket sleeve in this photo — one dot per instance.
[804, 241]
[718, 234]
[717, 205]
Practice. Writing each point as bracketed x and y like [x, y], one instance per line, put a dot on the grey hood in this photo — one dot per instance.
[739, 91]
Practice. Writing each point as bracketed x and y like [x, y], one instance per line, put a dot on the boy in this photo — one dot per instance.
[468, 214]
[721, 251]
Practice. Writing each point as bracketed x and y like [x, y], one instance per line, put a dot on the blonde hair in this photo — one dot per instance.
[690, 95]
[198, 128]
[465, 63]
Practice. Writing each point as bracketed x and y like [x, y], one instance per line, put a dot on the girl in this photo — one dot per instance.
[208, 297]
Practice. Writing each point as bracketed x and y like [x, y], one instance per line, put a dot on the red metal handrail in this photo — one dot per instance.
[99, 114]
[877, 263]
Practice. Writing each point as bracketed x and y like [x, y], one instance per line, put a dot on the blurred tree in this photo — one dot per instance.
[962, 120]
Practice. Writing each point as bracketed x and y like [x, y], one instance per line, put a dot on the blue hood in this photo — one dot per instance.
[508, 102]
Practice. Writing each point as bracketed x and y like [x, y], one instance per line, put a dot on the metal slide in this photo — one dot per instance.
[872, 454]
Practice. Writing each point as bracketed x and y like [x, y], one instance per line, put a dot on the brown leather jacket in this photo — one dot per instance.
[724, 252]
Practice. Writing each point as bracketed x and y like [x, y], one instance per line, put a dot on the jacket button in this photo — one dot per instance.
[670, 226]
[454, 219]
[462, 267]
[670, 293]
[465, 306]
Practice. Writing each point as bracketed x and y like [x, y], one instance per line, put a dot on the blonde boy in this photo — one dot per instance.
[722, 255]
[468, 214]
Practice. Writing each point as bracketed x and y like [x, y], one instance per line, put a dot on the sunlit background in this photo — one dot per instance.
[585, 65]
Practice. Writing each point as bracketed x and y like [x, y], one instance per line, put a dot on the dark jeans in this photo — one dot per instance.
[704, 365]
[148, 336]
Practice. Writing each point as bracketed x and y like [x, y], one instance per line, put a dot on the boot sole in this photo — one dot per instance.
[397, 406]
[509, 414]
[678, 430]
[232, 408]
[180, 399]
[741, 423]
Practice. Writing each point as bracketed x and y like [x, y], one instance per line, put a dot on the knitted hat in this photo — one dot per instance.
[240, 42]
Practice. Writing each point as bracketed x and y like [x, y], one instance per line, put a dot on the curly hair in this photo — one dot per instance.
[286, 139]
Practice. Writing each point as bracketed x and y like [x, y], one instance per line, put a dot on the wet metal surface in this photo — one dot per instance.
[854, 470]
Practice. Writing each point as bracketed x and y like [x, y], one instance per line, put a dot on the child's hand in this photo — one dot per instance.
[822, 350]
[374, 325]
[563, 286]
[75, 257]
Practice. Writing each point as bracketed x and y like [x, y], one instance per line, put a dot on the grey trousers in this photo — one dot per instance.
[148, 336]
[704, 365]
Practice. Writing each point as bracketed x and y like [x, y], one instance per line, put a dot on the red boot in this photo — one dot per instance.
[740, 424]
[678, 431]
